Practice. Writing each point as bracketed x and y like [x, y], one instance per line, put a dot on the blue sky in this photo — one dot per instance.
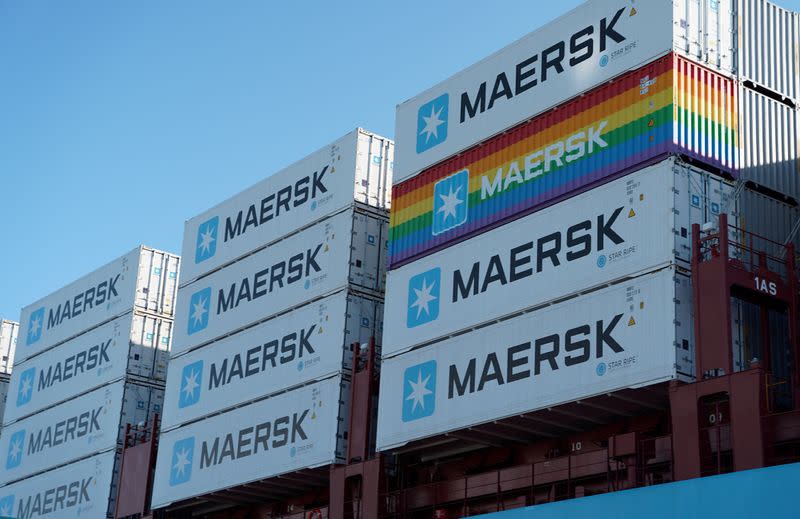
[119, 120]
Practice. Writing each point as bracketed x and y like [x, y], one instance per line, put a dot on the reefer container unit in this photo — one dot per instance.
[310, 343]
[670, 106]
[80, 490]
[144, 279]
[357, 167]
[8, 343]
[628, 335]
[76, 429]
[769, 47]
[626, 227]
[586, 47]
[769, 141]
[132, 345]
[300, 429]
[348, 248]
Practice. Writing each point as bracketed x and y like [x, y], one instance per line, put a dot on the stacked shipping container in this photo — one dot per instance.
[92, 358]
[279, 281]
[8, 343]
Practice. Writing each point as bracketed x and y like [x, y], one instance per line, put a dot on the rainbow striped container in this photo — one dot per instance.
[670, 106]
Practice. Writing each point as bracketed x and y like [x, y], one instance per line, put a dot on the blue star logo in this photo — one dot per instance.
[7, 506]
[206, 245]
[432, 123]
[180, 469]
[191, 382]
[450, 202]
[419, 391]
[199, 306]
[423, 297]
[16, 444]
[26, 381]
[35, 326]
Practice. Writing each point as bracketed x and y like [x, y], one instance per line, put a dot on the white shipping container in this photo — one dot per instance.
[624, 336]
[769, 47]
[80, 490]
[75, 429]
[637, 223]
[8, 343]
[593, 43]
[144, 279]
[357, 167]
[300, 429]
[132, 344]
[310, 343]
[347, 248]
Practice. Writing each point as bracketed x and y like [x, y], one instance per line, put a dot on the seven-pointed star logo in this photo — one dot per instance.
[450, 202]
[423, 297]
[26, 386]
[181, 466]
[198, 310]
[191, 377]
[419, 391]
[15, 446]
[206, 245]
[7, 506]
[432, 123]
[35, 323]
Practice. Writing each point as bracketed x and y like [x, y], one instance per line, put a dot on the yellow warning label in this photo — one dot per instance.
[313, 416]
[631, 321]
[641, 196]
[633, 11]
[319, 330]
[326, 248]
[641, 305]
[333, 170]
[651, 123]
[632, 213]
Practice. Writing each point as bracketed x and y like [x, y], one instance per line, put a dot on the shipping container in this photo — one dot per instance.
[89, 482]
[8, 343]
[310, 343]
[769, 141]
[75, 429]
[626, 227]
[145, 279]
[4, 384]
[776, 220]
[628, 335]
[558, 61]
[670, 106]
[347, 248]
[357, 167]
[769, 48]
[132, 345]
[300, 429]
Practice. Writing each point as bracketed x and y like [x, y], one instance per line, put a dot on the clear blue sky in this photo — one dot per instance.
[119, 120]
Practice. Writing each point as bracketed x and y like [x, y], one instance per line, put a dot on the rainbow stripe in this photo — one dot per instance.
[668, 106]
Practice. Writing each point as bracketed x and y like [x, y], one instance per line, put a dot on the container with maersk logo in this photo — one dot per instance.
[144, 279]
[354, 169]
[299, 429]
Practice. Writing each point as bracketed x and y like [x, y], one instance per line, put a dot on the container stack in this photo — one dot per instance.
[540, 234]
[8, 343]
[278, 282]
[91, 358]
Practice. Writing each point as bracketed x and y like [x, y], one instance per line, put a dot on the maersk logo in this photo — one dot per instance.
[35, 325]
[198, 310]
[206, 245]
[7, 506]
[26, 386]
[432, 123]
[181, 465]
[423, 297]
[191, 379]
[15, 447]
[419, 391]
[450, 202]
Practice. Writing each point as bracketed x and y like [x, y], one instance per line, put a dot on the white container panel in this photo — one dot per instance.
[300, 429]
[623, 336]
[634, 224]
[132, 344]
[144, 278]
[310, 343]
[85, 487]
[586, 47]
[356, 167]
[769, 143]
[8, 344]
[310, 264]
[769, 43]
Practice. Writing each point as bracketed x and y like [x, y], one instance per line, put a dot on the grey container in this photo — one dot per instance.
[769, 217]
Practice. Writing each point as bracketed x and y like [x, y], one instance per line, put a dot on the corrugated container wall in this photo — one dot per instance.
[8, 344]
[771, 218]
[670, 106]
[769, 143]
[4, 385]
[768, 47]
